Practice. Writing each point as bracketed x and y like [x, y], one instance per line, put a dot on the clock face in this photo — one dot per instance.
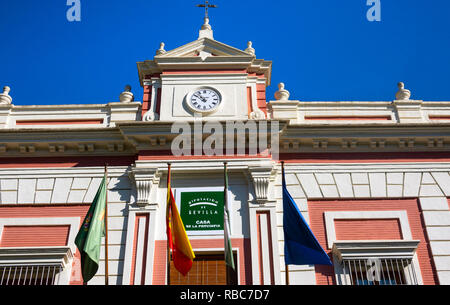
[205, 100]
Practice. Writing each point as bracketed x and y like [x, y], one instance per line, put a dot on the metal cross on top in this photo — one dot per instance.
[207, 6]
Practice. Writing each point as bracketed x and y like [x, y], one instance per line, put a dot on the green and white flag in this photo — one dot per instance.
[89, 238]
[229, 260]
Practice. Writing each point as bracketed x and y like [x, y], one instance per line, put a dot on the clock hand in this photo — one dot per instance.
[200, 97]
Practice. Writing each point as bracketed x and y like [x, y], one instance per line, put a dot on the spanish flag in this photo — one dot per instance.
[182, 254]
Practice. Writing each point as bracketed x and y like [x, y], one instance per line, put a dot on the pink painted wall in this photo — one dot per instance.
[316, 208]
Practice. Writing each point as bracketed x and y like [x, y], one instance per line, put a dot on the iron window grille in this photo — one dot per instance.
[379, 271]
[376, 262]
[35, 265]
[30, 275]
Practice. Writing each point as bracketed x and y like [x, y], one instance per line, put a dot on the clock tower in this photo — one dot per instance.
[204, 77]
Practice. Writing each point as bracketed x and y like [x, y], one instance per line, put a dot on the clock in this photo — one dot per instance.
[205, 100]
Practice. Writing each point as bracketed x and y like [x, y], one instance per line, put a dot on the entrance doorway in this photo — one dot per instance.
[207, 269]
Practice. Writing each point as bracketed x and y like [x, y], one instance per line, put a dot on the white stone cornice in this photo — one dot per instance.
[364, 137]
[225, 57]
[46, 142]
[203, 165]
[360, 249]
[207, 44]
[96, 115]
[36, 255]
[335, 113]
[146, 175]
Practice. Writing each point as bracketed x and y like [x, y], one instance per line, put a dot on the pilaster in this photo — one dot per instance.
[263, 224]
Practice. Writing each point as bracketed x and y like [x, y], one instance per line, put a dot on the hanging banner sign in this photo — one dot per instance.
[202, 211]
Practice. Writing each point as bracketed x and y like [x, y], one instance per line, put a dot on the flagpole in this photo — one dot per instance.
[287, 266]
[287, 274]
[106, 227]
[168, 242]
[225, 202]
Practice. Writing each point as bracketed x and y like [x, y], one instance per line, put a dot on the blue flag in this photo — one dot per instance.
[300, 245]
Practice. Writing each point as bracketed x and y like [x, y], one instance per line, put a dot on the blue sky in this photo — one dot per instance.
[322, 50]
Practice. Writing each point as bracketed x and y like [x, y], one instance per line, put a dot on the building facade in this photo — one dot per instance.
[371, 178]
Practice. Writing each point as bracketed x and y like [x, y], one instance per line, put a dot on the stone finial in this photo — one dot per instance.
[282, 94]
[4, 97]
[126, 96]
[206, 30]
[402, 94]
[250, 49]
[161, 49]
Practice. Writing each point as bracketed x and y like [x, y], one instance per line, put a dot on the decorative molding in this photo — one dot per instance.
[372, 251]
[27, 148]
[250, 50]
[364, 249]
[59, 255]
[161, 50]
[150, 116]
[282, 94]
[261, 177]
[349, 143]
[330, 217]
[5, 98]
[283, 110]
[146, 181]
[257, 115]
[402, 94]
[126, 96]
[50, 256]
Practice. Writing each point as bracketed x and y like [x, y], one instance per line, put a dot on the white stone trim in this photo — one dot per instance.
[399, 111]
[129, 243]
[364, 168]
[73, 222]
[146, 182]
[269, 207]
[428, 182]
[263, 222]
[61, 257]
[363, 249]
[55, 172]
[151, 211]
[330, 217]
[109, 113]
[54, 255]
[38, 186]
[140, 246]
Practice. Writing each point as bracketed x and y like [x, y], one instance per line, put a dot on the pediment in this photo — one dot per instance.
[204, 47]
[203, 54]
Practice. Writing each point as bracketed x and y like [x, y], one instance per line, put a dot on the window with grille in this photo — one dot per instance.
[376, 262]
[30, 275]
[379, 271]
[35, 265]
